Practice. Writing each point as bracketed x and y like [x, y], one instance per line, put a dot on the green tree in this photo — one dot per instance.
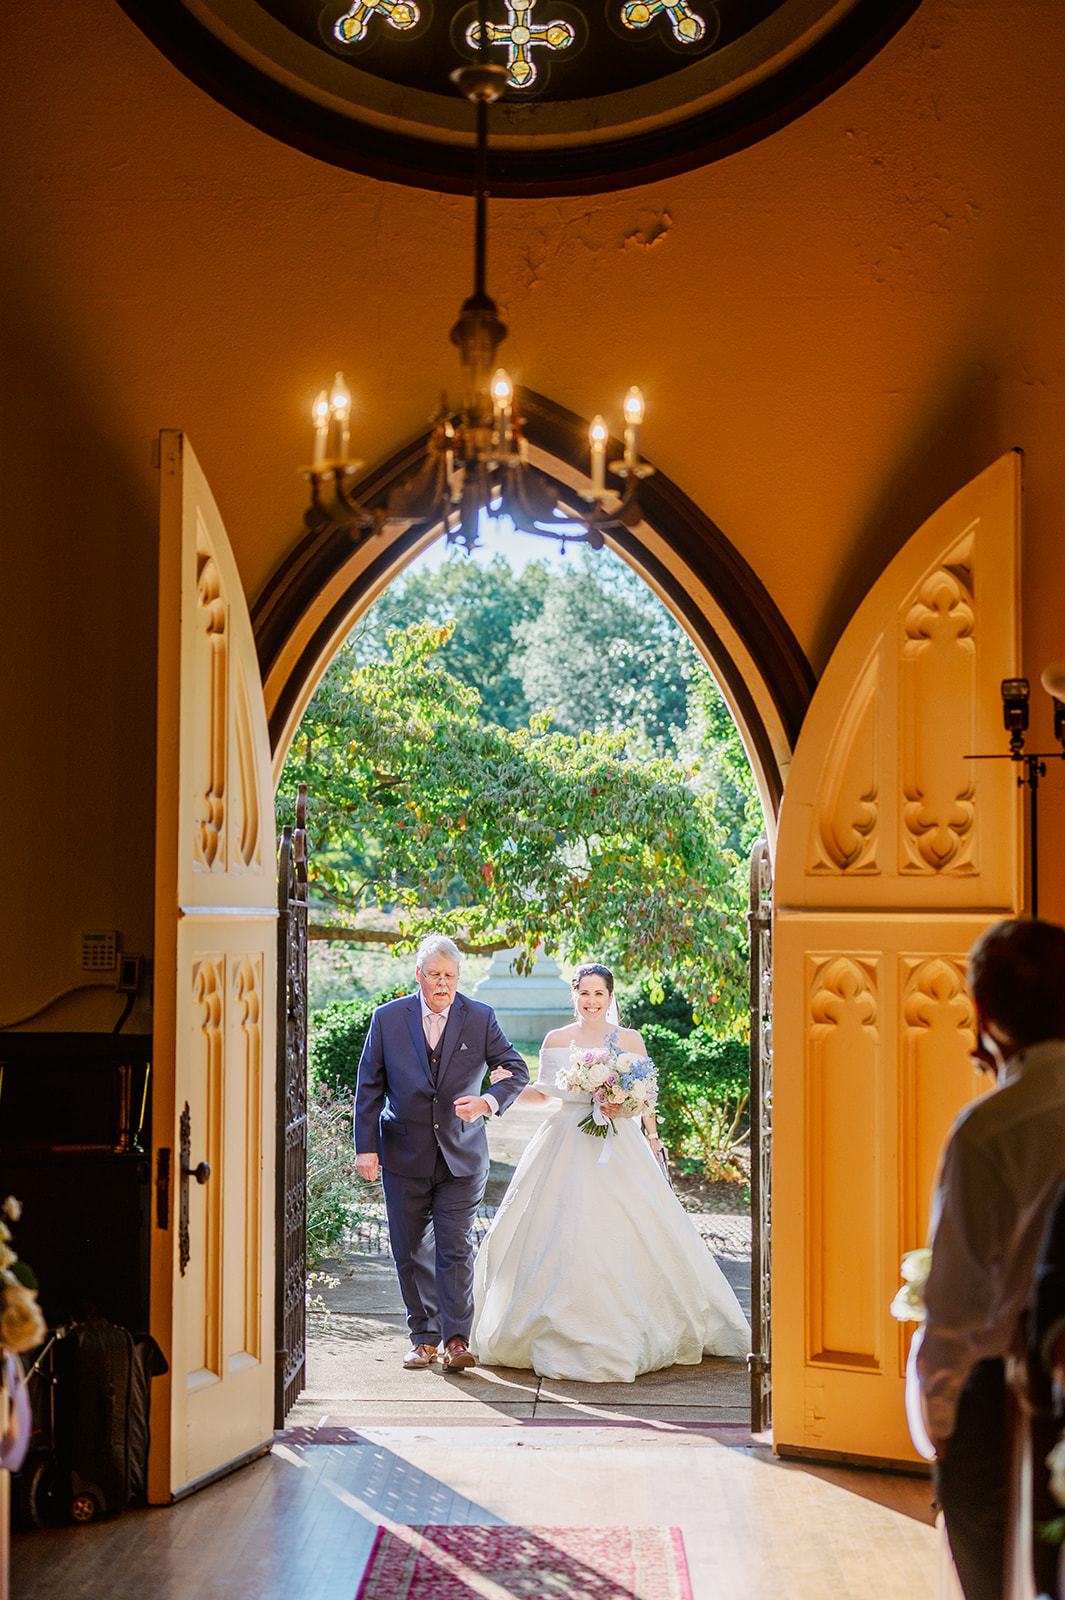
[486, 606]
[703, 1090]
[521, 837]
[664, 1005]
[604, 653]
[712, 743]
[338, 1033]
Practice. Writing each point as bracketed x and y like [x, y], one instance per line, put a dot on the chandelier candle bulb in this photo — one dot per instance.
[340, 405]
[502, 400]
[597, 437]
[634, 410]
[320, 418]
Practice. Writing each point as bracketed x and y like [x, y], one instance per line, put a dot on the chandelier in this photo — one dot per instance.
[477, 457]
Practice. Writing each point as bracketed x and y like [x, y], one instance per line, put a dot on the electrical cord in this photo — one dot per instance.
[46, 1005]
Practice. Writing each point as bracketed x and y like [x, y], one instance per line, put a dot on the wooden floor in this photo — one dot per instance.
[372, 1445]
[301, 1521]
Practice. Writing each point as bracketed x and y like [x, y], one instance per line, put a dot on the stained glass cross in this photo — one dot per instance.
[521, 35]
[355, 23]
[688, 25]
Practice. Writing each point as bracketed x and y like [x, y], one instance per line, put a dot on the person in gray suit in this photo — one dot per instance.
[419, 1121]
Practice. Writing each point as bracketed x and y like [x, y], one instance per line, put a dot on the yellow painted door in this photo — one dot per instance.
[894, 852]
[215, 973]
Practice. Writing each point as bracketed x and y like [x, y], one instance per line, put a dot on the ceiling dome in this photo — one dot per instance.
[600, 96]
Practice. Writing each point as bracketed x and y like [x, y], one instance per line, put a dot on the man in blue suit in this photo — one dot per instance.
[419, 1119]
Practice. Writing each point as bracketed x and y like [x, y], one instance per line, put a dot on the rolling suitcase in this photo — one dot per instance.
[95, 1461]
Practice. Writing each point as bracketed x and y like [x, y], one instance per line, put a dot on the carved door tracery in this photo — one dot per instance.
[215, 963]
[894, 852]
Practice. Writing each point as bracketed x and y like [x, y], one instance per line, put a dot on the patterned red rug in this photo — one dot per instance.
[501, 1563]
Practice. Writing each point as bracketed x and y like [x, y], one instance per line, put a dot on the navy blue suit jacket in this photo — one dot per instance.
[401, 1115]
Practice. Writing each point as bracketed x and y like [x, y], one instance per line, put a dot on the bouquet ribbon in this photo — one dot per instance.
[601, 1120]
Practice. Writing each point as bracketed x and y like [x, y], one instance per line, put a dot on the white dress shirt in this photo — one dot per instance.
[1000, 1173]
[489, 1099]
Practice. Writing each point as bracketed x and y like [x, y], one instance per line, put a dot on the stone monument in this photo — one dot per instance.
[527, 1008]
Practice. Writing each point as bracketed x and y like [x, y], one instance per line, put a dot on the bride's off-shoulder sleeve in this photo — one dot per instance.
[545, 1080]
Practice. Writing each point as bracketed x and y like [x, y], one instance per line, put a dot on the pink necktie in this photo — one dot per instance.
[436, 1028]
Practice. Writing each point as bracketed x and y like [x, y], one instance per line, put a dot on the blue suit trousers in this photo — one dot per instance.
[430, 1221]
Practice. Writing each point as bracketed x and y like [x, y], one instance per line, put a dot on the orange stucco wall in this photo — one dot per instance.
[834, 330]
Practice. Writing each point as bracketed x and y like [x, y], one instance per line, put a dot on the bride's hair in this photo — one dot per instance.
[587, 970]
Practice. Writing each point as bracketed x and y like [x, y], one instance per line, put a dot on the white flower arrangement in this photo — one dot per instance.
[22, 1326]
[908, 1305]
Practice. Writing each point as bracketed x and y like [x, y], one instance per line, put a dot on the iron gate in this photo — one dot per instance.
[760, 918]
[291, 1158]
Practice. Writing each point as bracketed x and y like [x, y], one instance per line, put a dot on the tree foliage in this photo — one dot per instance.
[338, 1033]
[524, 835]
[663, 1004]
[486, 607]
[603, 653]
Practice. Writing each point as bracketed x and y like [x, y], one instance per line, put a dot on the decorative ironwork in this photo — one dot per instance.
[354, 25]
[291, 1154]
[688, 26]
[760, 919]
[521, 35]
[201, 1172]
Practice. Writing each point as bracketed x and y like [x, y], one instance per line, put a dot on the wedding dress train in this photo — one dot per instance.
[596, 1272]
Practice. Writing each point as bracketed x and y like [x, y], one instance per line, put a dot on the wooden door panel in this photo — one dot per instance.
[215, 1000]
[895, 851]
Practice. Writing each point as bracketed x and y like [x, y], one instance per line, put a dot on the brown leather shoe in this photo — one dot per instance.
[423, 1355]
[457, 1356]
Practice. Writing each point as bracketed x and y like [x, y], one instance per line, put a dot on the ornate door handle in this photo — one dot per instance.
[201, 1173]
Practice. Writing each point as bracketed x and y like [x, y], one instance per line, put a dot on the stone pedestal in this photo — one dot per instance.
[527, 1008]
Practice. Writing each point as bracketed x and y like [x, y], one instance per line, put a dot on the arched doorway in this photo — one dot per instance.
[888, 725]
[329, 581]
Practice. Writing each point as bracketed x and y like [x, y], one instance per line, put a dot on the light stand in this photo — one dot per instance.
[1015, 697]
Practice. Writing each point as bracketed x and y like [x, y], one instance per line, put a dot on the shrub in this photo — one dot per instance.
[333, 1186]
[703, 1090]
[338, 1034]
[639, 1009]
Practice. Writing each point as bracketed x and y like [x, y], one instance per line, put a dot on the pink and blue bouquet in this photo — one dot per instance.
[612, 1077]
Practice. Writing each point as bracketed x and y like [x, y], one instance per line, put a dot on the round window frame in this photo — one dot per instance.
[309, 98]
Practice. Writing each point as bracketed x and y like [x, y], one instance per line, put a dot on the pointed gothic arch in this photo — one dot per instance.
[327, 581]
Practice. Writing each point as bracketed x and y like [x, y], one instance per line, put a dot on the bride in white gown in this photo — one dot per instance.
[596, 1272]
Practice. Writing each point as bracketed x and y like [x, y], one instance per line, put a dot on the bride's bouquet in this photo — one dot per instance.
[612, 1077]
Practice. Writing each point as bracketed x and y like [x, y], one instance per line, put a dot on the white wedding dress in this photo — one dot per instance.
[596, 1273]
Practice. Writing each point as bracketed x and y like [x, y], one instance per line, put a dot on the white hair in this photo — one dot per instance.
[437, 944]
